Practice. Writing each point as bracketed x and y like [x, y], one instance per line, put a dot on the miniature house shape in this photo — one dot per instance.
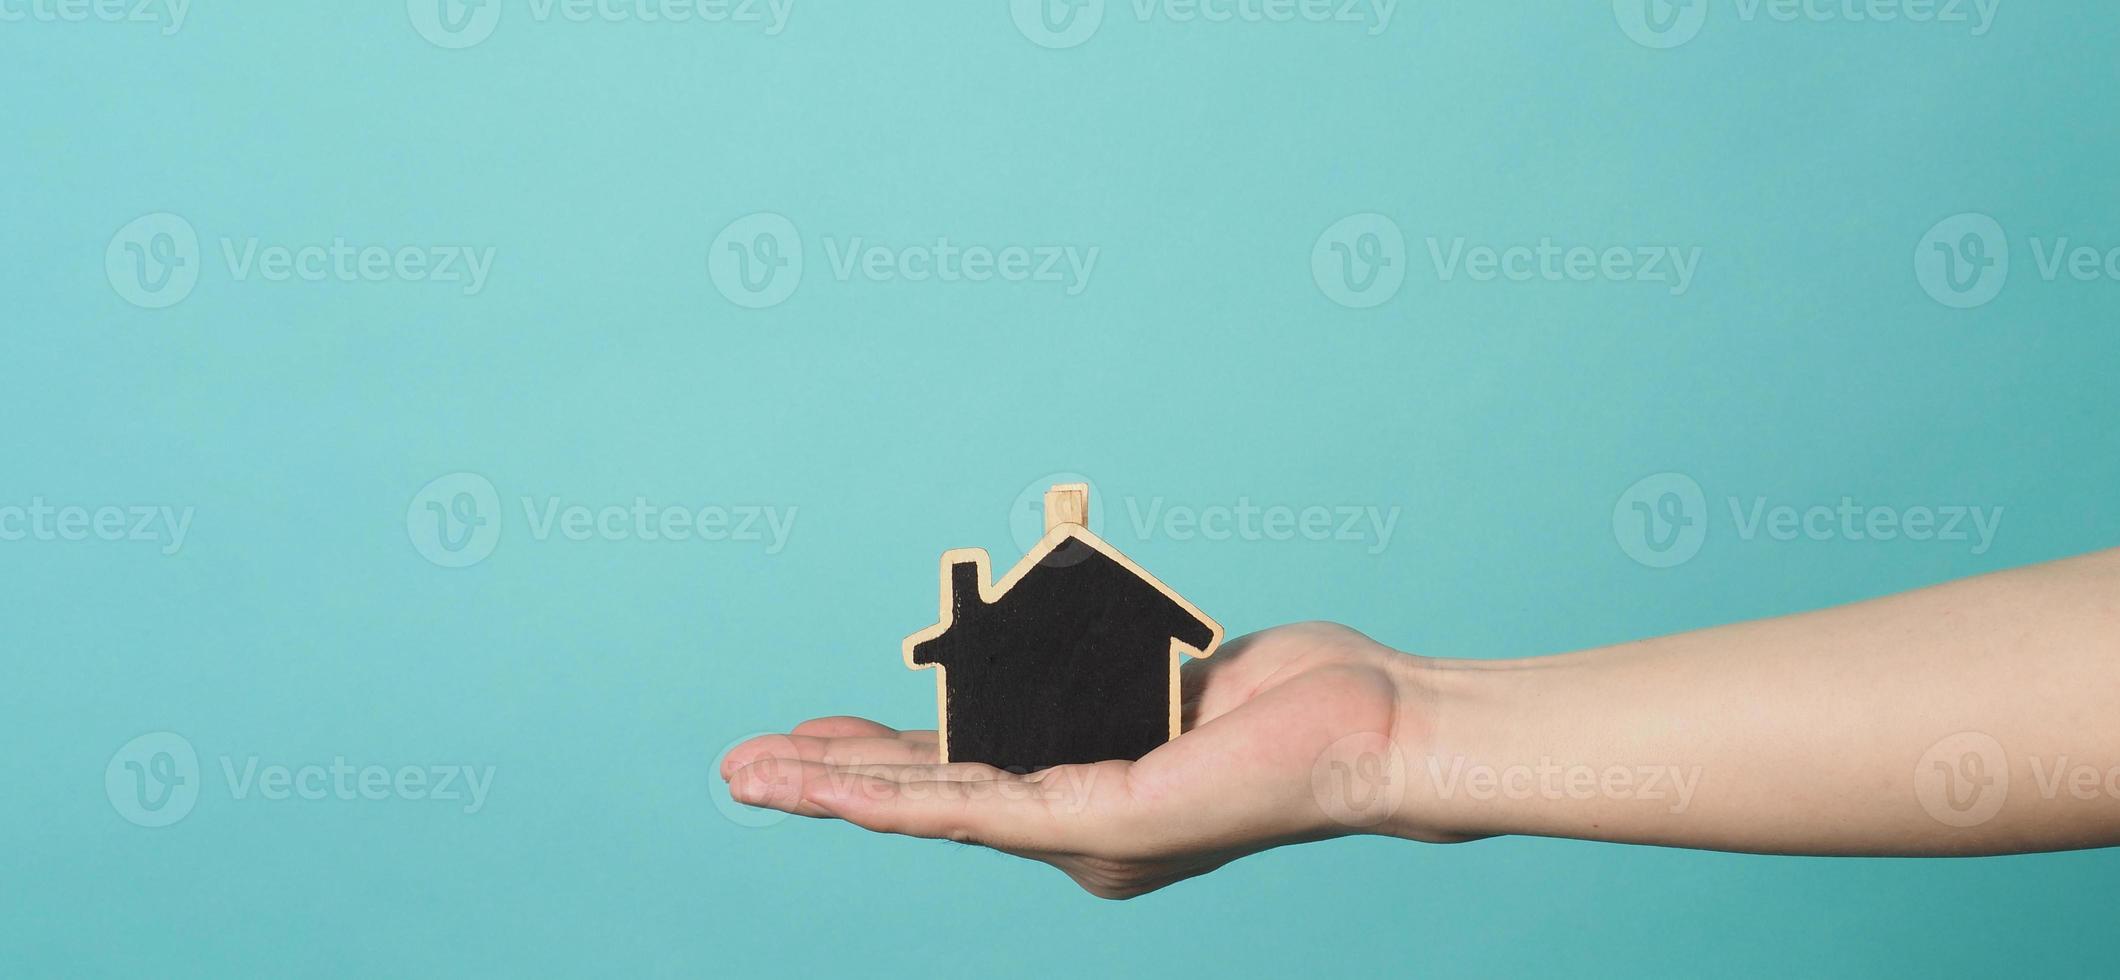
[1072, 657]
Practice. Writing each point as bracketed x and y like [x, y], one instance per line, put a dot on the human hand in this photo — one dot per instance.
[1290, 735]
[1829, 732]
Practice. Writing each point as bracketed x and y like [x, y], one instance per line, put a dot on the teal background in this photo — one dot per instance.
[601, 679]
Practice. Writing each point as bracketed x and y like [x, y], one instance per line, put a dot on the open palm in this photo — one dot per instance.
[1274, 722]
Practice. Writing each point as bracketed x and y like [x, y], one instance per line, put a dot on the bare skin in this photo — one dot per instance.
[1975, 717]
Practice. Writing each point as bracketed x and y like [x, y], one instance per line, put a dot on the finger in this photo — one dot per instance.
[927, 771]
[774, 787]
[844, 726]
[831, 751]
[1001, 813]
[1007, 812]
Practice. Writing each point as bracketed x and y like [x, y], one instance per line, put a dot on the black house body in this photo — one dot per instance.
[1071, 658]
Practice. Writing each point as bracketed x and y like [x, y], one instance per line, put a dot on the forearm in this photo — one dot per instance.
[1829, 732]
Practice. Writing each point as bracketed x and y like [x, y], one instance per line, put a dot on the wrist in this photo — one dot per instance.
[1451, 721]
